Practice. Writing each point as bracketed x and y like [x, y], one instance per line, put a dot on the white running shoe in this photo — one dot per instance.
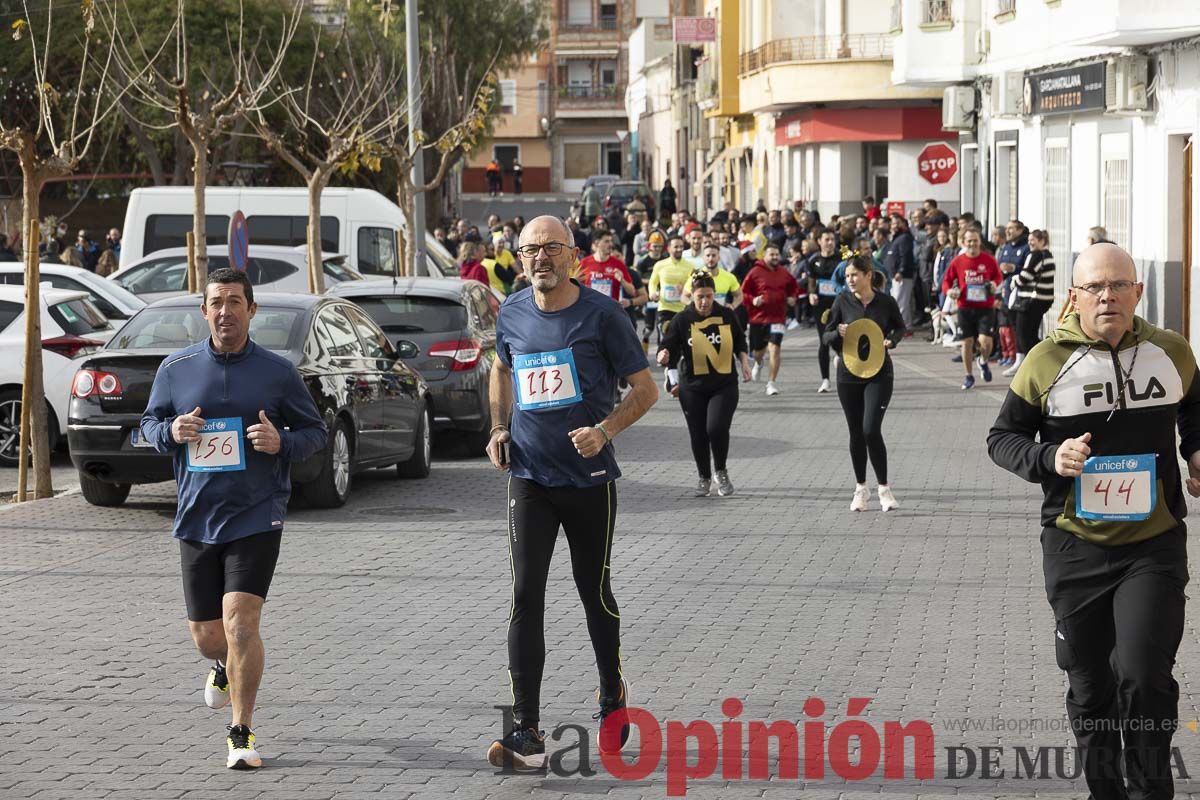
[216, 688]
[887, 500]
[792, 324]
[861, 495]
[1008, 373]
[824, 387]
[724, 485]
[754, 370]
[703, 487]
[242, 752]
[772, 389]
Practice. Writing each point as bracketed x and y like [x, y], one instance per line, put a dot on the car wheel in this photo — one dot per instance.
[10, 427]
[421, 460]
[331, 488]
[102, 493]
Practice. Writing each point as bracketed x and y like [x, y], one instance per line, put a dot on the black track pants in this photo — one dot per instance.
[1119, 615]
[1029, 323]
[709, 417]
[864, 405]
[587, 516]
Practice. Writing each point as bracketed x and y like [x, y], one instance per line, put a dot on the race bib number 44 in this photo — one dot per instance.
[546, 380]
[1116, 488]
[219, 448]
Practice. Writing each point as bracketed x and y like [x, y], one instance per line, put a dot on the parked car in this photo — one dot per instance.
[114, 301]
[377, 408]
[275, 269]
[72, 326]
[447, 330]
[601, 182]
[621, 193]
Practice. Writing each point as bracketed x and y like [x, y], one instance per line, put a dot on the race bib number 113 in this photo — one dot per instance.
[546, 380]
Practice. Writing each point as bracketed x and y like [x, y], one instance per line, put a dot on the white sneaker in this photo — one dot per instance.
[772, 389]
[216, 688]
[1008, 373]
[792, 324]
[242, 752]
[824, 387]
[861, 495]
[754, 370]
[887, 500]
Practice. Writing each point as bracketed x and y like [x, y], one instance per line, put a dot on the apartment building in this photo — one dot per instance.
[1071, 114]
[815, 116]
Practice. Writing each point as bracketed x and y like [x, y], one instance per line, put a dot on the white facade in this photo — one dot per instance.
[1124, 169]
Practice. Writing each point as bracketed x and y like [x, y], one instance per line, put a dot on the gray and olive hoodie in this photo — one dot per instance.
[1070, 384]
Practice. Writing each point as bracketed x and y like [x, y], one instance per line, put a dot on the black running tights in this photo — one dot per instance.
[587, 516]
[864, 405]
[709, 417]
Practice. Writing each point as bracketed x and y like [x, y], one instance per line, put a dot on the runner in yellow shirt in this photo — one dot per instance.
[728, 290]
[666, 283]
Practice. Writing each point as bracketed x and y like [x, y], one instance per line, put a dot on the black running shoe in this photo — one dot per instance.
[606, 738]
[523, 750]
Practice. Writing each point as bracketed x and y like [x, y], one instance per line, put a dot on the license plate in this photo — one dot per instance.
[135, 439]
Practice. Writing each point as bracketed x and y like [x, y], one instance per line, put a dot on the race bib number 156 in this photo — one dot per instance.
[219, 448]
[546, 380]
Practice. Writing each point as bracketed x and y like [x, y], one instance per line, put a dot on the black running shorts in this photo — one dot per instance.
[210, 571]
[760, 334]
[974, 322]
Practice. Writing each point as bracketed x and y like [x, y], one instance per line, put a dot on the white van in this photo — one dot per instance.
[360, 223]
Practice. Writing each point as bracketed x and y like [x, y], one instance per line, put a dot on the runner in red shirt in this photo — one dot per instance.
[973, 279]
[605, 272]
[767, 292]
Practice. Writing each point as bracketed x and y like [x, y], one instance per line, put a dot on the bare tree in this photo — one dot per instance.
[336, 122]
[52, 143]
[205, 108]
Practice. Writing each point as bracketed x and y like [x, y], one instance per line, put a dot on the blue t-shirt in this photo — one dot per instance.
[565, 367]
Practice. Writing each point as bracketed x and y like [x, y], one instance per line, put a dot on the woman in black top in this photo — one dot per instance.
[708, 338]
[865, 399]
[1034, 286]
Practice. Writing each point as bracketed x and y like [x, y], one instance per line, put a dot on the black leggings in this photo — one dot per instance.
[822, 348]
[864, 404]
[1119, 618]
[709, 417]
[1029, 323]
[588, 516]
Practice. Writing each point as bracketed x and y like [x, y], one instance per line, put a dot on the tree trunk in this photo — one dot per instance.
[404, 198]
[199, 229]
[316, 273]
[33, 393]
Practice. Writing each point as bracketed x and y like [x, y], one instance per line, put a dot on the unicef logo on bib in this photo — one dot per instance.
[546, 380]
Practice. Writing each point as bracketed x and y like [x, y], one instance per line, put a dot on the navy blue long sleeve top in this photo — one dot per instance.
[218, 507]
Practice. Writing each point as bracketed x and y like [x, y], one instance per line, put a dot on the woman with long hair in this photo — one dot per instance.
[864, 323]
[703, 342]
[1034, 286]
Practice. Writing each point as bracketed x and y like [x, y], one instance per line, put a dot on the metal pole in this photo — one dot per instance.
[416, 226]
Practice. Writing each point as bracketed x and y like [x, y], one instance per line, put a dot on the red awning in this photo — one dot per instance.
[860, 125]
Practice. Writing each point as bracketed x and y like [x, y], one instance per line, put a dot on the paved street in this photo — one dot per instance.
[385, 631]
[477, 207]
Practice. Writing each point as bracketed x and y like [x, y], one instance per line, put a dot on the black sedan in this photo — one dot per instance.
[447, 330]
[377, 408]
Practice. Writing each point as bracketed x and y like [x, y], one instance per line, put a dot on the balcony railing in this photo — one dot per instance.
[608, 23]
[589, 95]
[936, 11]
[1005, 7]
[817, 48]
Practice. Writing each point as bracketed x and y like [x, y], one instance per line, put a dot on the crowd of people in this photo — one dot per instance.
[102, 259]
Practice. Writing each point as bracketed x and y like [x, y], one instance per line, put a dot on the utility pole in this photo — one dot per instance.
[416, 226]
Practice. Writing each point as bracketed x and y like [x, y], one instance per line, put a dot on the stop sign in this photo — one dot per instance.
[937, 163]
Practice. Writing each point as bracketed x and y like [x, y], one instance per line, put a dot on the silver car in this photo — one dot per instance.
[273, 268]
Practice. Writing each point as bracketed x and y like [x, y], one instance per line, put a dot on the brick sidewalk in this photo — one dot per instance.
[385, 632]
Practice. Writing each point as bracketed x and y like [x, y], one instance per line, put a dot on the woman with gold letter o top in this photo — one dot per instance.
[709, 339]
[864, 324]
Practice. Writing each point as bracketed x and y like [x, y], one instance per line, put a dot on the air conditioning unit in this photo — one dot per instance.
[1125, 82]
[983, 41]
[1007, 93]
[958, 108]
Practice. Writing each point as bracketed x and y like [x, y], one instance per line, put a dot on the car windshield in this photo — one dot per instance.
[337, 271]
[79, 317]
[175, 327]
[627, 190]
[413, 313]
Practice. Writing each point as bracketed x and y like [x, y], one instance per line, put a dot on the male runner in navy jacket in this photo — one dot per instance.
[233, 486]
